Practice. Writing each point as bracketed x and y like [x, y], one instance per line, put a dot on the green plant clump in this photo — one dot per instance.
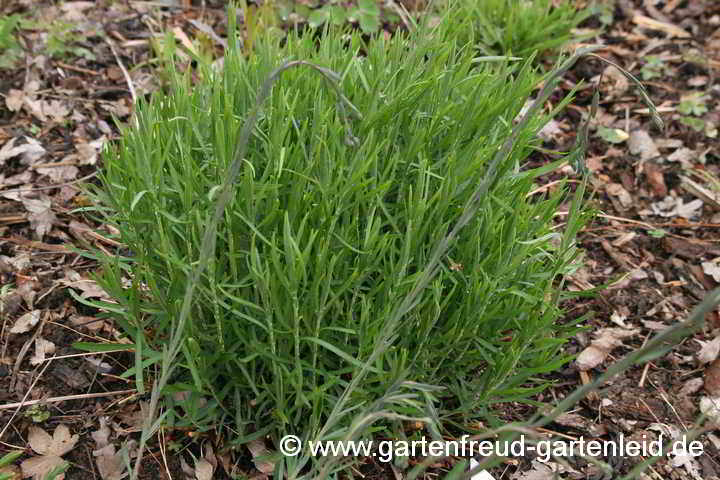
[333, 224]
[10, 50]
[521, 27]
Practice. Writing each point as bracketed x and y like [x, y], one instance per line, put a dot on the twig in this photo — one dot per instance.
[64, 398]
[76, 69]
[50, 187]
[128, 80]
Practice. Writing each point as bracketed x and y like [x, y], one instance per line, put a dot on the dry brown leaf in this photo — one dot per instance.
[60, 173]
[711, 378]
[618, 318]
[617, 190]
[88, 288]
[623, 239]
[41, 215]
[91, 323]
[109, 463]
[708, 195]
[14, 99]
[101, 436]
[118, 108]
[257, 449]
[51, 450]
[42, 348]
[75, 10]
[226, 462]
[656, 179]
[675, 207]
[87, 153]
[100, 366]
[39, 467]
[684, 156]
[710, 406]
[654, 326]
[606, 339]
[28, 291]
[712, 269]
[204, 470]
[29, 153]
[26, 322]
[708, 350]
[571, 420]
[620, 81]
[551, 131]
[640, 143]
[691, 386]
[55, 109]
[35, 108]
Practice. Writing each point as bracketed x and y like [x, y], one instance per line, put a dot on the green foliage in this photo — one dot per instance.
[654, 67]
[61, 38]
[323, 270]
[9, 458]
[657, 233]
[697, 124]
[37, 413]
[57, 471]
[498, 27]
[612, 135]
[367, 14]
[520, 27]
[693, 105]
[605, 13]
[10, 49]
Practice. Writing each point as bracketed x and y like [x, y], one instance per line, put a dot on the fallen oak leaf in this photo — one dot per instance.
[39, 468]
[42, 347]
[641, 143]
[26, 322]
[204, 470]
[708, 350]
[205, 466]
[712, 269]
[88, 287]
[606, 339]
[41, 215]
[51, 450]
[29, 152]
[259, 454]
[110, 464]
[14, 99]
[59, 444]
